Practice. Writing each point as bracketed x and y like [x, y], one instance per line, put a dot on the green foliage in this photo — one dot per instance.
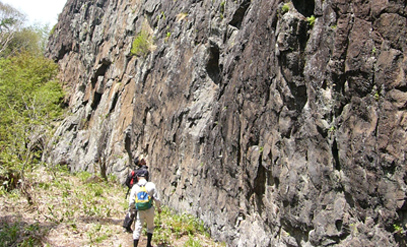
[191, 242]
[377, 95]
[9, 234]
[167, 37]
[397, 228]
[311, 20]
[15, 37]
[96, 234]
[374, 50]
[11, 21]
[285, 8]
[83, 199]
[141, 44]
[162, 15]
[83, 175]
[18, 234]
[30, 100]
[222, 9]
[171, 224]
[29, 39]
[65, 200]
[222, 6]
[53, 30]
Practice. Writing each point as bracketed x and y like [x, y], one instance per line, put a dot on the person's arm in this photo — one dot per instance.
[132, 199]
[157, 200]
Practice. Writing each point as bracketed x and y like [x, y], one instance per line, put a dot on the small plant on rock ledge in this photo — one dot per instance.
[167, 36]
[141, 44]
[397, 228]
[285, 8]
[377, 96]
[311, 20]
[222, 9]
[374, 50]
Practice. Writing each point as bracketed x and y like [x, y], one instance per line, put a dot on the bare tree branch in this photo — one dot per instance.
[11, 21]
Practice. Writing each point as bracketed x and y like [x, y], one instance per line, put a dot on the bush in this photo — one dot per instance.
[30, 100]
[141, 44]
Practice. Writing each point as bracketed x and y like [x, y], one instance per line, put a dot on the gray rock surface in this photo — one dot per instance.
[277, 124]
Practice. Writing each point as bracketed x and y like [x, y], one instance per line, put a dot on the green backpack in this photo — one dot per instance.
[143, 199]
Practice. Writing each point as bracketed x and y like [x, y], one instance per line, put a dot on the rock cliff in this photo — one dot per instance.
[278, 123]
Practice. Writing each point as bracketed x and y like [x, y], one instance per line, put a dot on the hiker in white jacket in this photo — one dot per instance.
[144, 214]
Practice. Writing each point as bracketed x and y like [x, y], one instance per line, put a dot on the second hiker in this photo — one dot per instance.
[141, 199]
[130, 181]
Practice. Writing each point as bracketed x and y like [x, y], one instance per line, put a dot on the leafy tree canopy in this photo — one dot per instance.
[16, 37]
[30, 100]
[11, 21]
[30, 95]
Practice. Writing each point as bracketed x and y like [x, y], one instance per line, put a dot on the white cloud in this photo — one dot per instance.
[39, 11]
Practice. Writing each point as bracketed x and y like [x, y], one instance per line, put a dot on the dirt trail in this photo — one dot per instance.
[61, 215]
[61, 210]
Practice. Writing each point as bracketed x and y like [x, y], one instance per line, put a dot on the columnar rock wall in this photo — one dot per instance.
[278, 123]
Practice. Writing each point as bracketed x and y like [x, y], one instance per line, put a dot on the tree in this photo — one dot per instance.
[11, 20]
[31, 39]
[30, 100]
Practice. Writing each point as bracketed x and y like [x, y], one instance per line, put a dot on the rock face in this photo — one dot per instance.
[276, 123]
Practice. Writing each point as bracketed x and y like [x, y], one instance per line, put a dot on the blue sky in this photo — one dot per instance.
[39, 11]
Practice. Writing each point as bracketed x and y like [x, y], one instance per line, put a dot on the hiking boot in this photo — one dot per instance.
[149, 237]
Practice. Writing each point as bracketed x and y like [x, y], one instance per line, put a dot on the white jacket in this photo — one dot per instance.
[151, 190]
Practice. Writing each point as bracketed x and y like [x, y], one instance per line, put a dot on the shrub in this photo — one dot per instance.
[141, 44]
[30, 101]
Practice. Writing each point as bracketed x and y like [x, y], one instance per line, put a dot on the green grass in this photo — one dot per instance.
[20, 234]
[285, 8]
[141, 44]
[222, 7]
[171, 226]
[192, 242]
[9, 233]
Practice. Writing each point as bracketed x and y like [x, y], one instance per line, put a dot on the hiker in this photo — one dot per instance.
[130, 181]
[141, 198]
